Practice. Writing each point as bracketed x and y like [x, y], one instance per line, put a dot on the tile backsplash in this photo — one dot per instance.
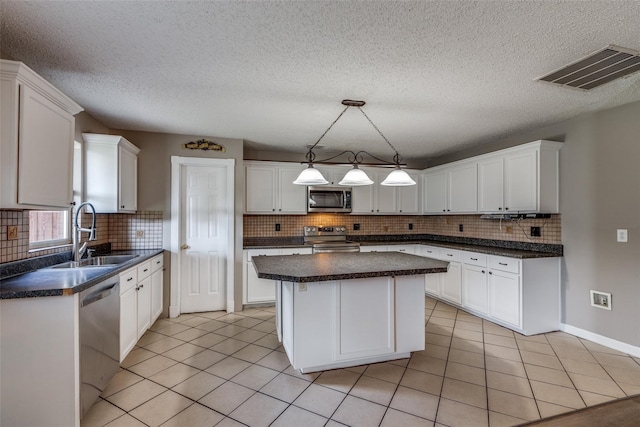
[444, 225]
[125, 231]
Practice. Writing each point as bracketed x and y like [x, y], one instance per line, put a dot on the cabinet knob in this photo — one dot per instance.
[377, 210]
[444, 210]
[122, 207]
[273, 210]
[280, 209]
[72, 203]
[400, 210]
[506, 209]
[499, 209]
[482, 271]
[185, 246]
[490, 273]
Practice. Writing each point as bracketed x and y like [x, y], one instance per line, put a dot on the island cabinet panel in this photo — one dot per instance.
[333, 324]
[365, 325]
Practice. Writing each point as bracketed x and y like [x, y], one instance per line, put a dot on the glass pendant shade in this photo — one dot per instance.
[398, 178]
[310, 176]
[356, 177]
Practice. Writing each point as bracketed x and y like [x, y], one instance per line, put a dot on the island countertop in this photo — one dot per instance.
[344, 266]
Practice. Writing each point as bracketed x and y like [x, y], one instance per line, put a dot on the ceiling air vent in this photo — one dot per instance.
[603, 66]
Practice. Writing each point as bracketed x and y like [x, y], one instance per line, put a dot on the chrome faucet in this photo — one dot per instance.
[78, 251]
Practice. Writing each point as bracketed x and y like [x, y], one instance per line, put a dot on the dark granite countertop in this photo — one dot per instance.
[344, 266]
[521, 250]
[45, 281]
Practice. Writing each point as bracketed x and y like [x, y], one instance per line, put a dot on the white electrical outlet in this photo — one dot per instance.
[623, 236]
[600, 299]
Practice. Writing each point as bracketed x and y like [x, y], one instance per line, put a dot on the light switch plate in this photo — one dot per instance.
[622, 235]
[12, 232]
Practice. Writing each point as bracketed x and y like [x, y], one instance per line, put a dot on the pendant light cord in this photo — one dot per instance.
[310, 155]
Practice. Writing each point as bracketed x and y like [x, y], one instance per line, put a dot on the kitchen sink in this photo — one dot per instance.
[99, 261]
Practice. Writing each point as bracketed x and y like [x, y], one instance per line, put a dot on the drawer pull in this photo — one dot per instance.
[129, 279]
[475, 259]
[503, 263]
[449, 254]
[145, 270]
[482, 271]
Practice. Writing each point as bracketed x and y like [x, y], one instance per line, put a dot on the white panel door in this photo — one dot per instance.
[203, 253]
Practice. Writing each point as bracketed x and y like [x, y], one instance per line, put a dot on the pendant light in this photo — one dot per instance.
[356, 176]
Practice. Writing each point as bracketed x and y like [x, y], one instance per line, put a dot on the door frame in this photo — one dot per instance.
[177, 163]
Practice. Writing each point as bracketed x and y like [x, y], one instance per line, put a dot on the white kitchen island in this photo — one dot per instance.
[337, 310]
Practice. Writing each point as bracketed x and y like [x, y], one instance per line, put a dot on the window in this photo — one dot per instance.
[48, 228]
[52, 228]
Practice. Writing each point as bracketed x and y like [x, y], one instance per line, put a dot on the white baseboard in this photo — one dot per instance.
[602, 340]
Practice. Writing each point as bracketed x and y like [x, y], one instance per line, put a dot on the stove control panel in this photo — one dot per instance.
[336, 230]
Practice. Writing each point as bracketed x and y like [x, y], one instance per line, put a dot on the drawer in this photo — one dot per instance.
[450, 255]
[512, 265]
[407, 249]
[157, 263]
[257, 252]
[295, 251]
[473, 258]
[144, 270]
[128, 280]
[430, 252]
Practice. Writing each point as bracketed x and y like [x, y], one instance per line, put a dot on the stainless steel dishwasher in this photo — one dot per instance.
[99, 339]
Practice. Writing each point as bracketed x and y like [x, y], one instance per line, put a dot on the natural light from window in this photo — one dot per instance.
[48, 228]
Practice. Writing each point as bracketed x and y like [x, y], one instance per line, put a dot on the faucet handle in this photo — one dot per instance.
[90, 252]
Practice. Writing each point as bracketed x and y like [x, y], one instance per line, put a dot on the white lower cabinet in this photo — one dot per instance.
[505, 297]
[255, 289]
[452, 280]
[520, 294]
[140, 301]
[157, 264]
[128, 311]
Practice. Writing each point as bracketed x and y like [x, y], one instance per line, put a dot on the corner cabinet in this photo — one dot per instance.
[111, 173]
[269, 189]
[36, 140]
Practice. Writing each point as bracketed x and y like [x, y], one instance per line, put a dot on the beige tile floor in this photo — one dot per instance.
[222, 369]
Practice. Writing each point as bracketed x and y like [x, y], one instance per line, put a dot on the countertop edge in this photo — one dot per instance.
[349, 276]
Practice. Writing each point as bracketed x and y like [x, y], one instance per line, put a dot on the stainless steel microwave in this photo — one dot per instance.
[329, 199]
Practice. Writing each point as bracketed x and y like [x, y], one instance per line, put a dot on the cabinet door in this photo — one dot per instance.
[505, 297]
[362, 199]
[452, 283]
[521, 181]
[434, 187]
[127, 181]
[258, 290]
[375, 248]
[433, 284]
[490, 185]
[474, 288]
[292, 197]
[260, 189]
[45, 152]
[128, 322]
[144, 305]
[156, 294]
[409, 197]
[385, 196]
[463, 188]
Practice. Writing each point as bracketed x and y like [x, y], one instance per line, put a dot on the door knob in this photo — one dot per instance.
[185, 246]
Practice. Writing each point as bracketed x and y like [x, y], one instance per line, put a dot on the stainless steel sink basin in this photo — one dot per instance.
[99, 261]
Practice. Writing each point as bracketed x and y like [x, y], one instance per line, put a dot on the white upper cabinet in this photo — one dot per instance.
[269, 189]
[520, 179]
[111, 173]
[36, 138]
[451, 189]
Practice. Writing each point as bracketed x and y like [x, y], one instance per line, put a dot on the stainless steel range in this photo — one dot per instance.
[329, 239]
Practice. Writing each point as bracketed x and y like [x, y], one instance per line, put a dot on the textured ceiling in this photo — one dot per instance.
[437, 76]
